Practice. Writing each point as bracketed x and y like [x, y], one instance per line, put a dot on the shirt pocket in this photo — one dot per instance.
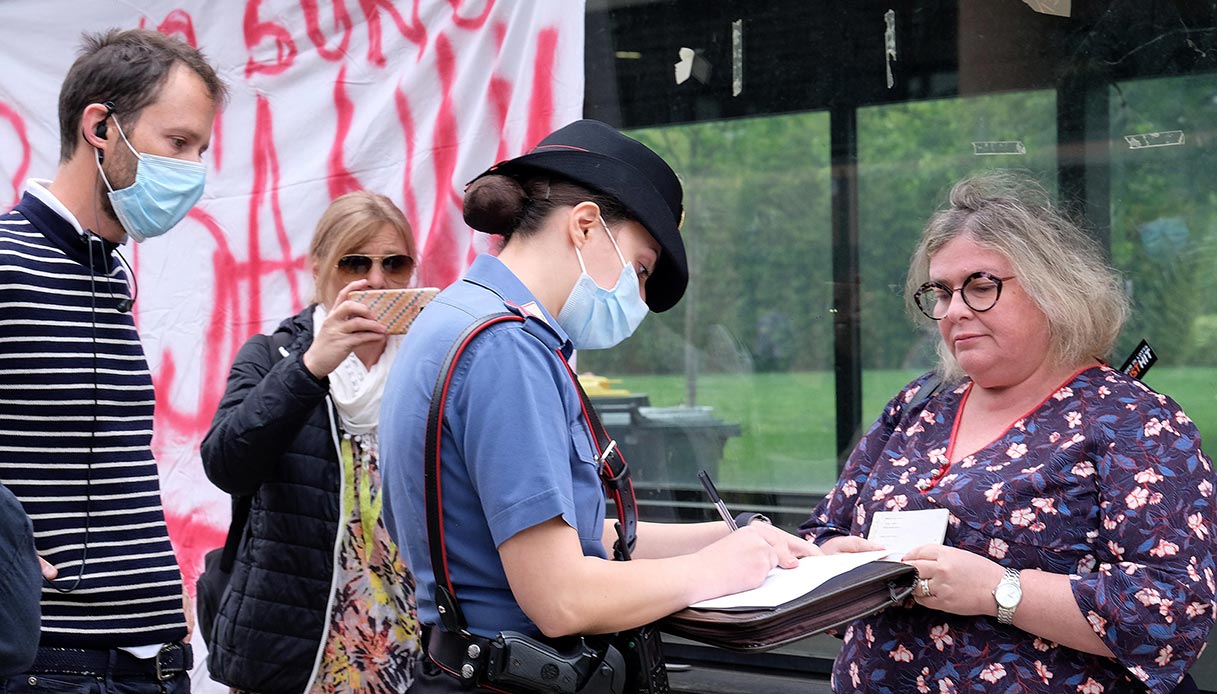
[588, 493]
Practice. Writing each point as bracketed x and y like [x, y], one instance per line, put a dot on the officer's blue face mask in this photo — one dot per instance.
[598, 318]
[164, 191]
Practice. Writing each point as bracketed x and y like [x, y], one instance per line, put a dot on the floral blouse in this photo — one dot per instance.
[373, 640]
[1104, 481]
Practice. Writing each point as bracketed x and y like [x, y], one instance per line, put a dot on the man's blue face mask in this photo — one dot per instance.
[163, 192]
[598, 318]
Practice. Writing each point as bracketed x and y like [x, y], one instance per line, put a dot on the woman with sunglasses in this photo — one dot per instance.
[1079, 551]
[320, 599]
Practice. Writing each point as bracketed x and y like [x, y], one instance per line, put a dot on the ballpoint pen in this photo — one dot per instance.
[717, 500]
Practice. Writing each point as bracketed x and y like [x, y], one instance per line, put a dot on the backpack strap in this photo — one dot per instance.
[614, 472]
[241, 503]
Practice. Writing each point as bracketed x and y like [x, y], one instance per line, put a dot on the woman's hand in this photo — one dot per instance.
[842, 544]
[789, 547]
[347, 325]
[960, 582]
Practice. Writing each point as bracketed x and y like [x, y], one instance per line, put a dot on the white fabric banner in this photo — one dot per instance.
[410, 99]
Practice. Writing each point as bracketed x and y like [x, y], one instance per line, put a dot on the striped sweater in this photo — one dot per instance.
[76, 405]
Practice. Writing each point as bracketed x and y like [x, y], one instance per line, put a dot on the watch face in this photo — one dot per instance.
[1007, 594]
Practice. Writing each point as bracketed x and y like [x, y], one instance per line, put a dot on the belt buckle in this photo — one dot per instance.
[161, 674]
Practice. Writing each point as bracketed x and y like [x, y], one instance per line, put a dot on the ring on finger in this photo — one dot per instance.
[925, 588]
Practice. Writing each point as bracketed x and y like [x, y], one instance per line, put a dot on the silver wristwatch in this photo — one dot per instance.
[1008, 593]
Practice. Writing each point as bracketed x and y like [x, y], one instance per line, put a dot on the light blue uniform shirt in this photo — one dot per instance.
[516, 450]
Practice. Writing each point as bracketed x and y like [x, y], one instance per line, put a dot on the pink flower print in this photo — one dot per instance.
[1182, 418]
[881, 493]
[1016, 450]
[1130, 407]
[1086, 564]
[1063, 393]
[1084, 469]
[967, 462]
[1191, 571]
[1021, 425]
[914, 428]
[946, 686]
[1165, 549]
[849, 634]
[1042, 670]
[1096, 622]
[938, 456]
[994, 492]
[902, 654]
[1037, 527]
[941, 636]
[1153, 427]
[1115, 549]
[1041, 645]
[1206, 488]
[1073, 440]
[1022, 517]
[927, 416]
[1137, 498]
[849, 488]
[1045, 505]
[1090, 687]
[998, 548]
[1104, 391]
[904, 477]
[922, 687]
[1032, 470]
[993, 673]
[1195, 609]
[1073, 419]
[1164, 655]
[900, 462]
[860, 515]
[1148, 596]
[897, 503]
[1148, 476]
[1054, 437]
[1110, 523]
[853, 675]
[1198, 525]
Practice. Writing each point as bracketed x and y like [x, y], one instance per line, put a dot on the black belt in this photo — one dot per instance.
[173, 659]
[462, 657]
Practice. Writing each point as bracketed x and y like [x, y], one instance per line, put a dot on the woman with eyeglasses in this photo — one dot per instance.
[320, 599]
[1079, 551]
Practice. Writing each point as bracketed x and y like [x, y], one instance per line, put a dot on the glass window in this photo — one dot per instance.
[815, 140]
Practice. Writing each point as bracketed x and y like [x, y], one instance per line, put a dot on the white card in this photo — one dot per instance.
[901, 531]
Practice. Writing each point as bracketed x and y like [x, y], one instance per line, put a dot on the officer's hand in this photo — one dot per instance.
[739, 561]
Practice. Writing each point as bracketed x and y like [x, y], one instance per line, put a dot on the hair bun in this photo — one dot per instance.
[495, 204]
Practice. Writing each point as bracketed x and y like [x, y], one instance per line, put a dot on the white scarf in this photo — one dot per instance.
[356, 389]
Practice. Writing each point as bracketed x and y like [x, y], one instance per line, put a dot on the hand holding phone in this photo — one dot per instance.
[395, 309]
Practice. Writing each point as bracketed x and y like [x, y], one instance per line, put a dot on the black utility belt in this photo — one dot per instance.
[515, 662]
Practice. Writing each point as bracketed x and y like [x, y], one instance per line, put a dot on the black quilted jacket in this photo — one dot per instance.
[273, 436]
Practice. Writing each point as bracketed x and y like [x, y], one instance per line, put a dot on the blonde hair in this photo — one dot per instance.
[349, 222]
[1058, 265]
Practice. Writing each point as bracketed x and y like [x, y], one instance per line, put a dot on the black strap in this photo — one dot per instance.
[614, 473]
[241, 503]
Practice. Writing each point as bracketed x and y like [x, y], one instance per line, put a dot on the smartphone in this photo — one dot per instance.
[396, 309]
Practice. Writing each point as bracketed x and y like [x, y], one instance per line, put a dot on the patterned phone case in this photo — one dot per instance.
[396, 309]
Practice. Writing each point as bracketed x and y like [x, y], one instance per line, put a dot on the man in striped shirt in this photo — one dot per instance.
[76, 397]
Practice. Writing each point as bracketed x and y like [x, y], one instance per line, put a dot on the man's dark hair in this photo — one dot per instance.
[128, 68]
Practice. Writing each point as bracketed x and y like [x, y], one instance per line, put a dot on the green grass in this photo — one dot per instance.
[788, 421]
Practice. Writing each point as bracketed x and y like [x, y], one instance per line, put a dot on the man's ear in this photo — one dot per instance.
[93, 126]
[584, 218]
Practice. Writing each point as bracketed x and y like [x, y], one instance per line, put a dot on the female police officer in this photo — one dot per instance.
[590, 224]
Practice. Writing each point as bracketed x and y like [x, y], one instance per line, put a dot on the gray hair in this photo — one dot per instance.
[1058, 265]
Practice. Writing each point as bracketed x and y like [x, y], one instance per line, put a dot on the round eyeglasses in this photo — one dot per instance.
[397, 266]
[980, 292]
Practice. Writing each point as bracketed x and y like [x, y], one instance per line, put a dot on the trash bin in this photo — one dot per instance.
[665, 446]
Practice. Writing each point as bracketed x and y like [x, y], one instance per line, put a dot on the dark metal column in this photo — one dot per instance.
[847, 342]
[1083, 135]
